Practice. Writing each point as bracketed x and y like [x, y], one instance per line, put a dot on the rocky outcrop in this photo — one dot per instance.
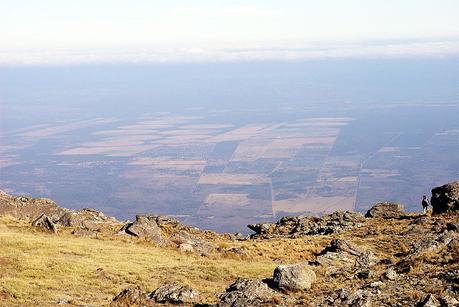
[174, 293]
[343, 257]
[28, 208]
[294, 277]
[445, 199]
[431, 243]
[187, 241]
[296, 226]
[386, 210]
[133, 296]
[145, 226]
[168, 293]
[45, 223]
[249, 292]
[86, 218]
[47, 214]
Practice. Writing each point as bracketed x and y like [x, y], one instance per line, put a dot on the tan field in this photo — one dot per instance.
[250, 150]
[380, 173]
[226, 178]
[207, 126]
[114, 151]
[44, 132]
[225, 200]
[241, 133]
[166, 163]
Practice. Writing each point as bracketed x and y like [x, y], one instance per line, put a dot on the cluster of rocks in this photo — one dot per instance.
[243, 292]
[342, 257]
[295, 226]
[47, 215]
[168, 293]
[166, 231]
[445, 199]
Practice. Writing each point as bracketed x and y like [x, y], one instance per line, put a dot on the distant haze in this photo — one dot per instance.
[71, 32]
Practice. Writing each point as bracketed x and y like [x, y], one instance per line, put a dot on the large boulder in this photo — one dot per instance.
[28, 208]
[173, 293]
[248, 292]
[344, 257]
[145, 227]
[429, 245]
[184, 240]
[86, 218]
[133, 296]
[445, 199]
[294, 277]
[386, 210]
[45, 223]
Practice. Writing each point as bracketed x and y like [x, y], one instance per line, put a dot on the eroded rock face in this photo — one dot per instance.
[294, 277]
[386, 210]
[86, 218]
[144, 227]
[343, 257]
[28, 208]
[133, 296]
[248, 292]
[432, 243]
[175, 294]
[445, 199]
[45, 223]
[296, 226]
[33, 209]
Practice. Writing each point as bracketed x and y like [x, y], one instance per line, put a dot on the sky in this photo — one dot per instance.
[68, 31]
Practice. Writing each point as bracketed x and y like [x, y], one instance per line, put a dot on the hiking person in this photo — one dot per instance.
[425, 203]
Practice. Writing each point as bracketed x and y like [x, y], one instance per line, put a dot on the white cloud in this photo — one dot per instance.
[445, 48]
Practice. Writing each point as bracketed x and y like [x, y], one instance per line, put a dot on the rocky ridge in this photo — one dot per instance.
[366, 259]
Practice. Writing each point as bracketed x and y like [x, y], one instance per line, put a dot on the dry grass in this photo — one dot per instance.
[39, 268]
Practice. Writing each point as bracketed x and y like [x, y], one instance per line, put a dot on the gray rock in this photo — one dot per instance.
[390, 274]
[386, 210]
[294, 277]
[451, 276]
[429, 301]
[344, 257]
[448, 301]
[428, 244]
[248, 292]
[28, 208]
[175, 294]
[453, 226]
[45, 223]
[198, 244]
[445, 198]
[86, 218]
[185, 247]
[296, 226]
[133, 296]
[143, 227]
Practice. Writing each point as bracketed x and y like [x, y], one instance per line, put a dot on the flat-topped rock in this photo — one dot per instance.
[386, 210]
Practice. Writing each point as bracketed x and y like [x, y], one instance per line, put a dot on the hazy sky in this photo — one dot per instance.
[91, 30]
